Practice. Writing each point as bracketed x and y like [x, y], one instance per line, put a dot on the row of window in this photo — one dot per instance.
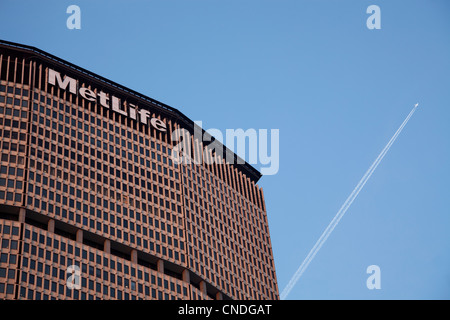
[10, 196]
[13, 123]
[14, 135]
[8, 258]
[12, 171]
[11, 274]
[9, 244]
[6, 229]
[13, 101]
[6, 288]
[30, 294]
[14, 90]
[12, 112]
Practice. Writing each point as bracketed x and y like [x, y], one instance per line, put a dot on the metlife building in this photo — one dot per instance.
[93, 207]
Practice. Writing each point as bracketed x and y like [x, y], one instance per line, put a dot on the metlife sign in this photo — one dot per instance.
[105, 100]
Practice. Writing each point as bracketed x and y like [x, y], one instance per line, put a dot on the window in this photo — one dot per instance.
[11, 274]
[10, 289]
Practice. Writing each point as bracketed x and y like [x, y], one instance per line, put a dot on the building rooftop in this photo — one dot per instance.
[36, 53]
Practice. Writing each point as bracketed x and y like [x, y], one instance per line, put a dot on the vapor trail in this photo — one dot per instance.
[343, 210]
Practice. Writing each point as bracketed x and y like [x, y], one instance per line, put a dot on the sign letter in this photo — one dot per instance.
[54, 77]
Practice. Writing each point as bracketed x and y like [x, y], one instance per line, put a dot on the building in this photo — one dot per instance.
[87, 181]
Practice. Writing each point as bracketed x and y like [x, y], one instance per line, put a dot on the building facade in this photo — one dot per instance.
[92, 206]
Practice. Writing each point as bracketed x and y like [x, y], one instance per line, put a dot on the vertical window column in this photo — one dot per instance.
[80, 235]
[107, 246]
[51, 226]
[160, 266]
[134, 256]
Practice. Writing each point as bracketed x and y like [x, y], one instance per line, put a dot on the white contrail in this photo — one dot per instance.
[343, 210]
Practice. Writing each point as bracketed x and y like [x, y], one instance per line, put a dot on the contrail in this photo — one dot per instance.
[343, 210]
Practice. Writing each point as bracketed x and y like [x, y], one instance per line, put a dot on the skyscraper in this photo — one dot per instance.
[92, 206]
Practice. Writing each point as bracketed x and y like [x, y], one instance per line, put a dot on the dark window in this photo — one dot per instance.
[3, 257]
[11, 274]
[10, 289]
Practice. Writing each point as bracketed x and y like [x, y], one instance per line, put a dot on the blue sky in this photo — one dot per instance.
[337, 92]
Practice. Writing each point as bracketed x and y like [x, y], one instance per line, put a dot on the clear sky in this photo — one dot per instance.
[337, 92]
